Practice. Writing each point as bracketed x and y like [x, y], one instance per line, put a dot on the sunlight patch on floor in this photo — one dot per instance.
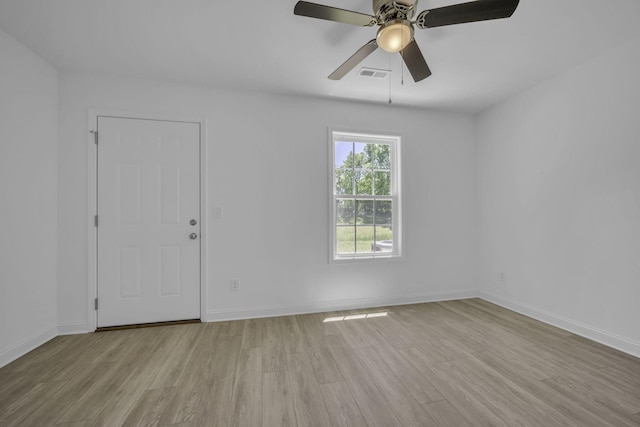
[355, 317]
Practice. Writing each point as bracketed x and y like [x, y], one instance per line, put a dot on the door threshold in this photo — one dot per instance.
[147, 325]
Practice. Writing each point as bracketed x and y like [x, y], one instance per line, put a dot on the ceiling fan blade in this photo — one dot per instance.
[415, 62]
[313, 10]
[480, 10]
[355, 59]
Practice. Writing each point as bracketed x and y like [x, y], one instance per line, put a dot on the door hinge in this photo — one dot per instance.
[95, 221]
[95, 136]
[95, 303]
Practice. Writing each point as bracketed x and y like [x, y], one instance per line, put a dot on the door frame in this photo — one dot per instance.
[92, 230]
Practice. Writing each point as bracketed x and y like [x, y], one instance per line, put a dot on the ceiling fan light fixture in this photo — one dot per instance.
[393, 36]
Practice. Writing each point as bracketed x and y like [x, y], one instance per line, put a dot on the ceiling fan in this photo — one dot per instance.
[394, 17]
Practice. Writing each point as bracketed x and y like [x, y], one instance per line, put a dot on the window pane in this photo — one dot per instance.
[344, 181]
[345, 212]
[344, 154]
[364, 212]
[363, 181]
[382, 157]
[345, 240]
[361, 157]
[364, 238]
[382, 183]
[383, 212]
[384, 239]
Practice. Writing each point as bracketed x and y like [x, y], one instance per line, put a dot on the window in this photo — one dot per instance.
[365, 196]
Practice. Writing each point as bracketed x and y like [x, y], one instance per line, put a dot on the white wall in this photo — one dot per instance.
[267, 169]
[28, 199]
[559, 199]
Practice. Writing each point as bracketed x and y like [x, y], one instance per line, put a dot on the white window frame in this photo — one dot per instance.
[394, 140]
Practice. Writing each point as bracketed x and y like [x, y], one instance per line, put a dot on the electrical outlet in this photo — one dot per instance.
[235, 285]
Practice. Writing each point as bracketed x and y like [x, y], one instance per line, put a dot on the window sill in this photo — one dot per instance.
[365, 259]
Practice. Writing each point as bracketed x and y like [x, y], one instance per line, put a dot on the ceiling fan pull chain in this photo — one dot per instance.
[389, 78]
[402, 68]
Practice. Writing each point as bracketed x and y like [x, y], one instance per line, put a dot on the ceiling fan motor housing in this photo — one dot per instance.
[386, 10]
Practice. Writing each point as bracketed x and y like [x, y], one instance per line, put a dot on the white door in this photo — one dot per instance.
[148, 221]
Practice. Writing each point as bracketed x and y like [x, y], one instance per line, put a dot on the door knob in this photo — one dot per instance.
[193, 236]
[193, 222]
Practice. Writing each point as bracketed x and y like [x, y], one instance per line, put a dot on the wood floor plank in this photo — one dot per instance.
[232, 328]
[369, 398]
[603, 410]
[392, 331]
[252, 333]
[427, 353]
[192, 386]
[576, 410]
[118, 408]
[420, 388]
[273, 353]
[205, 350]
[600, 389]
[292, 336]
[528, 363]
[456, 363]
[407, 409]
[352, 333]
[444, 414]
[492, 399]
[92, 400]
[621, 378]
[184, 404]
[33, 362]
[537, 332]
[342, 407]
[247, 390]
[318, 319]
[528, 404]
[137, 358]
[67, 396]
[462, 398]
[216, 406]
[324, 366]
[17, 411]
[131, 390]
[496, 335]
[561, 356]
[176, 352]
[616, 357]
[149, 408]
[307, 398]
[277, 407]
[422, 323]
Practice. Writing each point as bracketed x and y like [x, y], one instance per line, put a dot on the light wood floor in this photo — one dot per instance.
[459, 363]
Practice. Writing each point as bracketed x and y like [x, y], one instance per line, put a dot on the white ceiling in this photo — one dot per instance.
[261, 45]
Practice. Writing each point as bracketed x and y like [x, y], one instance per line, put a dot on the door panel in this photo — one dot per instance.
[148, 192]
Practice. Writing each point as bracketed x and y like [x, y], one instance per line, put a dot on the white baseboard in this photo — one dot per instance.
[72, 328]
[603, 337]
[26, 345]
[350, 304]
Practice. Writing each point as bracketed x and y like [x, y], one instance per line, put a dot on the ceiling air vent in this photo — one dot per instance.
[372, 72]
